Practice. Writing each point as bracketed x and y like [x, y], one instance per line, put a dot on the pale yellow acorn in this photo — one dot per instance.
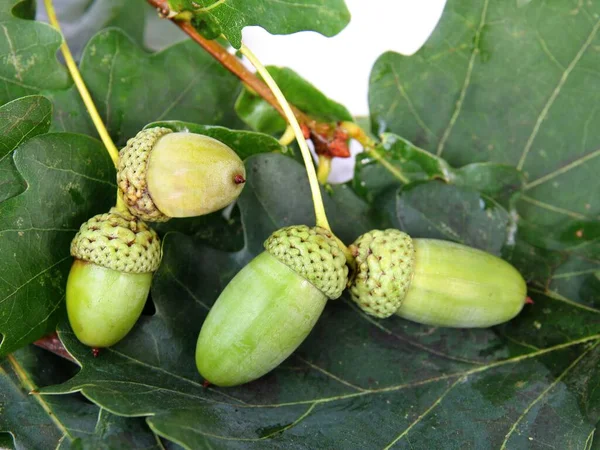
[433, 282]
[164, 174]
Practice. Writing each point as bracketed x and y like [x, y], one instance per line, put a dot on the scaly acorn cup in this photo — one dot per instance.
[163, 174]
[433, 282]
[270, 306]
[115, 255]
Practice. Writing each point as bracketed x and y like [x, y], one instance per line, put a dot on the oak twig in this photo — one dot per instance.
[317, 131]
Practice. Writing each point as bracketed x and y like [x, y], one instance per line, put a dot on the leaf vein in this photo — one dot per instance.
[553, 208]
[410, 104]
[466, 83]
[550, 102]
[424, 414]
[543, 394]
[330, 375]
[33, 278]
[411, 342]
[60, 169]
[562, 170]
[556, 296]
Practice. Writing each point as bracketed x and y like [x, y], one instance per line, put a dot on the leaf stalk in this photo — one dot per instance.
[82, 88]
[110, 146]
[321, 216]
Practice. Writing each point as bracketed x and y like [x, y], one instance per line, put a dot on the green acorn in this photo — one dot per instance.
[164, 174]
[115, 255]
[271, 305]
[433, 282]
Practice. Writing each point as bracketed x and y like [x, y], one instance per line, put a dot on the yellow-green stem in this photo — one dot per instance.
[209, 7]
[321, 217]
[385, 163]
[324, 169]
[357, 133]
[369, 145]
[288, 136]
[81, 87]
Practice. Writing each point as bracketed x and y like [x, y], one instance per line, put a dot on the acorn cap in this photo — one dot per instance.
[384, 269]
[314, 254]
[119, 241]
[131, 174]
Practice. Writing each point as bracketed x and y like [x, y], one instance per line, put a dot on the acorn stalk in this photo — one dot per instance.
[270, 306]
[434, 282]
[115, 255]
[164, 174]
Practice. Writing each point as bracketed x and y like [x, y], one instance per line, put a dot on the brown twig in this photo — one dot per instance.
[318, 131]
[53, 344]
[220, 53]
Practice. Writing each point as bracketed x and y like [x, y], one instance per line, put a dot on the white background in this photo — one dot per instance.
[340, 66]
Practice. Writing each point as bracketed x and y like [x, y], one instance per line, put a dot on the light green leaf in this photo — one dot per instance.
[229, 17]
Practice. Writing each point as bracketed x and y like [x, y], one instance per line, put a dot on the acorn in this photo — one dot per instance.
[271, 305]
[163, 174]
[433, 282]
[115, 255]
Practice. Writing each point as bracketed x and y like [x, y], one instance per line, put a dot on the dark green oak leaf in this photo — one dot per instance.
[261, 116]
[222, 229]
[414, 382]
[20, 120]
[69, 179]
[68, 422]
[511, 91]
[570, 255]
[396, 161]
[81, 19]
[496, 84]
[436, 210]
[229, 17]
[132, 87]
[28, 48]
